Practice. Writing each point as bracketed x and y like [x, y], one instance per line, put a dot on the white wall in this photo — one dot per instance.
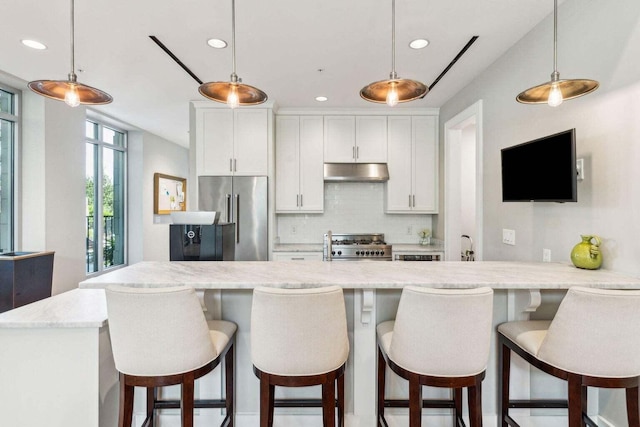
[148, 154]
[52, 186]
[600, 40]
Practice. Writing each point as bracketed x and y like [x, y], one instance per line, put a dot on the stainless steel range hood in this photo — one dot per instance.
[356, 172]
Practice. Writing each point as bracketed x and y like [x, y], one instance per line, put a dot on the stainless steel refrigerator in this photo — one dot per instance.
[243, 201]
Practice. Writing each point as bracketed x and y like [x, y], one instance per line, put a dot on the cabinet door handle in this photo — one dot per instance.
[357, 153]
[409, 200]
[414, 200]
[353, 152]
[301, 203]
[235, 169]
[297, 200]
[297, 258]
[230, 165]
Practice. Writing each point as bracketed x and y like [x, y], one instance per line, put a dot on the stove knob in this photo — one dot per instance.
[339, 252]
[357, 252]
[381, 252]
[367, 252]
[377, 252]
[333, 252]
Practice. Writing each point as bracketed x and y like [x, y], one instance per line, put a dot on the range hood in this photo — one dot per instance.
[356, 172]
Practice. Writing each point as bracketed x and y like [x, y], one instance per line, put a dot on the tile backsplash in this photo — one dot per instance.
[351, 207]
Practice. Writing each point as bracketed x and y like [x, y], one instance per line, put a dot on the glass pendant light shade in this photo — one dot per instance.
[233, 93]
[70, 91]
[394, 90]
[555, 91]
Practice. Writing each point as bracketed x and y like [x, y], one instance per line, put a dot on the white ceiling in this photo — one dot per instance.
[281, 44]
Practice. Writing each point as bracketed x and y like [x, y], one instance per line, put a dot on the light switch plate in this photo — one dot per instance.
[508, 236]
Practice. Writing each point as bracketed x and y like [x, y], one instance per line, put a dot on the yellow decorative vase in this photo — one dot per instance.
[587, 254]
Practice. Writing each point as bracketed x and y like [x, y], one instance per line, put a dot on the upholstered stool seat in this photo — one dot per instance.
[592, 341]
[160, 337]
[298, 339]
[440, 338]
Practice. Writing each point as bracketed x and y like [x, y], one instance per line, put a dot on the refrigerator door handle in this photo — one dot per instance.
[227, 208]
[237, 217]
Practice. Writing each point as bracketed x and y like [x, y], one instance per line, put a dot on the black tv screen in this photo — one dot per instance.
[542, 170]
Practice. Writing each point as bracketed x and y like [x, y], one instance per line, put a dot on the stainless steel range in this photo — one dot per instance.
[356, 247]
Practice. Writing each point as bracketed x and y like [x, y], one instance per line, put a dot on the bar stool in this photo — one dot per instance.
[160, 337]
[298, 339]
[592, 341]
[440, 338]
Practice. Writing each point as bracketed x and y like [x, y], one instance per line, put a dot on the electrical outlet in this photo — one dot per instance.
[508, 237]
[410, 229]
[580, 169]
[546, 255]
[294, 230]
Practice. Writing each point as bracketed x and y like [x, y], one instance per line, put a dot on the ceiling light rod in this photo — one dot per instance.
[233, 93]
[70, 91]
[394, 90]
[555, 91]
[175, 58]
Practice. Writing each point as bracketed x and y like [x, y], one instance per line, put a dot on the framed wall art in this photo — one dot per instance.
[169, 194]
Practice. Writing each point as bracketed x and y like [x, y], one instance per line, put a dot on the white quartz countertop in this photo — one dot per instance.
[361, 275]
[78, 308]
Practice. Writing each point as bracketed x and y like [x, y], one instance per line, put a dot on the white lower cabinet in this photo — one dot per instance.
[299, 164]
[413, 165]
[297, 256]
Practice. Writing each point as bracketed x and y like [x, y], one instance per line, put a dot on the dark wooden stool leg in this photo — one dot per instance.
[229, 388]
[329, 403]
[633, 409]
[504, 367]
[475, 404]
[415, 401]
[341, 400]
[186, 399]
[381, 383]
[125, 415]
[267, 401]
[151, 403]
[457, 401]
[575, 401]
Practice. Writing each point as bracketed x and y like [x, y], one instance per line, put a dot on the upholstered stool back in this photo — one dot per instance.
[297, 332]
[443, 332]
[157, 331]
[595, 333]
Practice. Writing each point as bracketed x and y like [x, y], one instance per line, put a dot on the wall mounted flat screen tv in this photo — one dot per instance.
[542, 170]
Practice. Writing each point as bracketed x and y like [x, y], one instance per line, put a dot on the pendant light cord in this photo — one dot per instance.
[555, 75]
[234, 76]
[393, 75]
[72, 75]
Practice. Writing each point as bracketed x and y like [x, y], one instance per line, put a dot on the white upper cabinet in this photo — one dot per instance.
[349, 139]
[339, 139]
[413, 165]
[232, 142]
[299, 164]
[371, 139]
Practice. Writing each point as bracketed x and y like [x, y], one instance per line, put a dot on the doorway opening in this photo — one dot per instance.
[463, 185]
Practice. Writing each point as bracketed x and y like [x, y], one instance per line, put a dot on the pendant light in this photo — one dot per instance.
[233, 92]
[72, 92]
[555, 91]
[394, 90]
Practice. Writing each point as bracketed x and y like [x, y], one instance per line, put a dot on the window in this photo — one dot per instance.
[105, 195]
[8, 135]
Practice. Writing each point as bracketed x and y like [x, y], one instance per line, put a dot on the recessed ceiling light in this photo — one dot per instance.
[419, 43]
[33, 44]
[217, 43]
[321, 98]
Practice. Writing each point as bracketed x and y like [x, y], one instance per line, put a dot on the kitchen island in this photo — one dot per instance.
[372, 291]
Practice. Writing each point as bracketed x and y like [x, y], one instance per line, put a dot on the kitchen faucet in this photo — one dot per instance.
[468, 255]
